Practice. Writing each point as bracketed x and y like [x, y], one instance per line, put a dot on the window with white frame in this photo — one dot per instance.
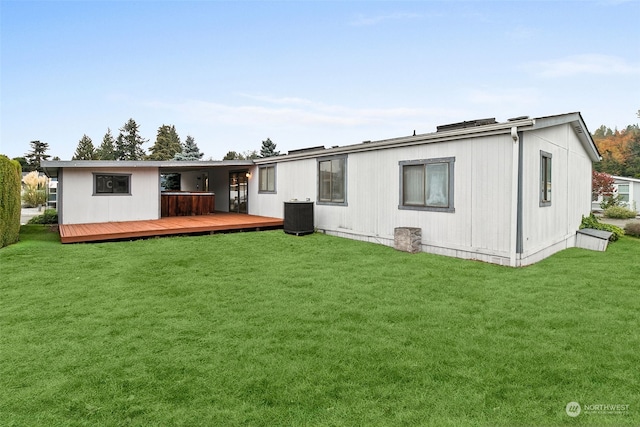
[267, 179]
[111, 184]
[623, 193]
[332, 180]
[545, 178]
[427, 184]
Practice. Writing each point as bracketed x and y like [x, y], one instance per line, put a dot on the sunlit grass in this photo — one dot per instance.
[271, 329]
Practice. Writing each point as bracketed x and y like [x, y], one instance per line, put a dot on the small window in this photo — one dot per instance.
[332, 181]
[427, 184]
[545, 178]
[267, 179]
[112, 184]
[623, 192]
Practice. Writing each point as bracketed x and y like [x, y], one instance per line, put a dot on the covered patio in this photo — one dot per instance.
[217, 222]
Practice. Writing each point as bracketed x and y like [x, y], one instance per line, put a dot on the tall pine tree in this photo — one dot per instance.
[190, 151]
[107, 150]
[129, 142]
[167, 144]
[37, 154]
[85, 149]
[268, 149]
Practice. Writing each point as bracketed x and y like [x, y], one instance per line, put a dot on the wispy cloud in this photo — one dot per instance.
[363, 20]
[573, 65]
[293, 111]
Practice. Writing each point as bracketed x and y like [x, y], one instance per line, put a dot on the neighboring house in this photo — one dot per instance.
[52, 195]
[629, 191]
[508, 193]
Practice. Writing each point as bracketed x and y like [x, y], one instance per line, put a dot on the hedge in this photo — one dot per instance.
[10, 185]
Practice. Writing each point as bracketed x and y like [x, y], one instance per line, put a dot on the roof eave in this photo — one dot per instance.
[579, 127]
[429, 138]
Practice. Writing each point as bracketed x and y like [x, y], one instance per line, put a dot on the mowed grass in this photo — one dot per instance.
[269, 329]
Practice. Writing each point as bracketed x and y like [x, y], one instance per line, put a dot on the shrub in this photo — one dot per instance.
[632, 229]
[613, 200]
[10, 172]
[592, 222]
[35, 189]
[50, 216]
[619, 212]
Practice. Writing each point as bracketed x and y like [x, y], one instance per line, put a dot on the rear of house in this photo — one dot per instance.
[508, 193]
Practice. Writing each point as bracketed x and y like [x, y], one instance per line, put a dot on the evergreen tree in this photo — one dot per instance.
[190, 151]
[167, 144]
[250, 155]
[37, 154]
[602, 132]
[232, 155]
[632, 152]
[129, 142]
[107, 150]
[268, 149]
[85, 149]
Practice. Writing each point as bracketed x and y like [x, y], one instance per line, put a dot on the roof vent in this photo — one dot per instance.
[515, 119]
[305, 150]
[464, 125]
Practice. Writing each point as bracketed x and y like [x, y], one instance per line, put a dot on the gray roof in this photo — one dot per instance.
[458, 132]
[450, 133]
[51, 167]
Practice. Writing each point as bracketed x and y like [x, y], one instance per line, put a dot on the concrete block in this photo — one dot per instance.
[407, 239]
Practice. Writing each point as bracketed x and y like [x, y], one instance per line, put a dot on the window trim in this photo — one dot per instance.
[95, 183]
[545, 196]
[451, 165]
[345, 184]
[621, 194]
[266, 167]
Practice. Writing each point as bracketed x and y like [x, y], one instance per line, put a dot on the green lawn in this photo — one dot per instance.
[270, 329]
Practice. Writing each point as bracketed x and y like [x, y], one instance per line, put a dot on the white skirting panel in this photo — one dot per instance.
[470, 254]
[533, 257]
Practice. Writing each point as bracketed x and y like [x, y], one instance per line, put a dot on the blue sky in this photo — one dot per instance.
[307, 73]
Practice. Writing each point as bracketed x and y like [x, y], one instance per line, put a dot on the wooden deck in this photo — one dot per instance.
[218, 222]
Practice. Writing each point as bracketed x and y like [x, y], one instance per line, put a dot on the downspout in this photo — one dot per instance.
[519, 242]
[515, 195]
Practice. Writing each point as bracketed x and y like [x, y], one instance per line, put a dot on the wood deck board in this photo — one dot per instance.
[76, 233]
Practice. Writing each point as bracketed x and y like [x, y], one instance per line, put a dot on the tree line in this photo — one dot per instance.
[620, 150]
[128, 145]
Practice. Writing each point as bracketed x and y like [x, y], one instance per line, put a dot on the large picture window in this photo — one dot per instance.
[545, 178]
[267, 179]
[332, 181]
[112, 184]
[427, 184]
